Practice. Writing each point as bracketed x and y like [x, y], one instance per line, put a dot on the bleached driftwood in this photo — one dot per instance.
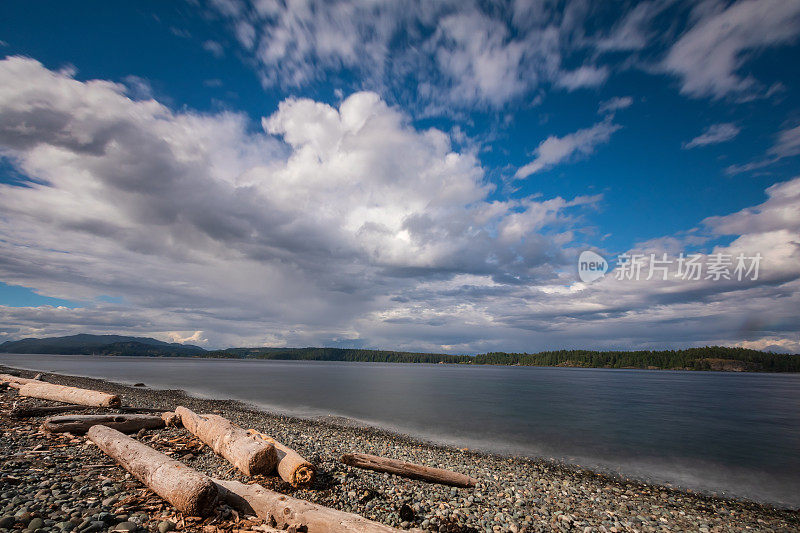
[186, 489]
[287, 511]
[72, 395]
[291, 466]
[79, 424]
[247, 453]
[14, 380]
[409, 470]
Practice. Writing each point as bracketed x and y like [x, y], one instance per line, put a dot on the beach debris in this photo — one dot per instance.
[61, 393]
[188, 490]
[409, 470]
[251, 455]
[171, 420]
[292, 467]
[284, 511]
[80, 424]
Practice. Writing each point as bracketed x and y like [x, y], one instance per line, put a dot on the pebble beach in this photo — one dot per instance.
[64, 483]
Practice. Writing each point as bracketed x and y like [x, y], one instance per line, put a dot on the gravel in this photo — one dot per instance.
[62, 483]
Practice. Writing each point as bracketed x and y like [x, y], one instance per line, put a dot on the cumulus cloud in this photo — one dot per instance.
[554, 150]
[714, 134]
[335, 226]
[709, 57]
[329, 215]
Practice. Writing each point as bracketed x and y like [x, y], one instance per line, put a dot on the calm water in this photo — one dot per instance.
[735, 434]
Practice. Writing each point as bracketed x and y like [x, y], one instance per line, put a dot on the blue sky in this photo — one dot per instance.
[530, 133]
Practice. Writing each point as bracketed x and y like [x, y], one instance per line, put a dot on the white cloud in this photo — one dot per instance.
[298, 233]
[714, 134]
[214, 48]
[786, 145]
[339, 225]
[614, 104]
[554, 150]
[710, 56]
[585, 76]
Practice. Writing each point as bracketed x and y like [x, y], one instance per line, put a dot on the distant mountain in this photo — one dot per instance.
[84, 344]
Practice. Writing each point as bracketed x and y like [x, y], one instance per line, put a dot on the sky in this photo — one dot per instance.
[415, 175]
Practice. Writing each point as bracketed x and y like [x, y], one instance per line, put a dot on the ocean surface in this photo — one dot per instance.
[732, 434]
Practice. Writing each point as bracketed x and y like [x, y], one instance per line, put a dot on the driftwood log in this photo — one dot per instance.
[291, 466]
[409, 470]
[186, 489]
[288, 511]
[14, 380]
[79, 424]
[73, 395]
[247, 453]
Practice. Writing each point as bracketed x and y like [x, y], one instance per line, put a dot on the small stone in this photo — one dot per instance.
[35, 524]
[165, 526]
[126, 526]
[7, 522]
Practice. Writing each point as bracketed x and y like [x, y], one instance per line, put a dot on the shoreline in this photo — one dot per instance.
[514, 493]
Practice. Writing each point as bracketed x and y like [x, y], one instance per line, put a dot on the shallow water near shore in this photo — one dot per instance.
[734, 434]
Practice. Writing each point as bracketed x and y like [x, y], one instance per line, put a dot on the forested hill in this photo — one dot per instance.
[85, 344]
[338, 354]
[707, 358]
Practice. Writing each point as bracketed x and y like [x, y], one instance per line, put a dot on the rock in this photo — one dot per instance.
[7, 522]
[406, 513]
[35, 524]
[165, 526]
[126, 526]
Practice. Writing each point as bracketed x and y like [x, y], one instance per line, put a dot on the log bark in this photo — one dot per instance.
[79, 424]
[409, 470]
[73, 395]
[282, 510]
[186, 489]
[250, 455]
[291, 466]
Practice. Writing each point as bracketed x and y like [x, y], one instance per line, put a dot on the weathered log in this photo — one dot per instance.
[73, 395]
[409, 470]
[186, 489]
[81, 423]
[14, 380]
[247, 453]
[291, 466]
[286, 511]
